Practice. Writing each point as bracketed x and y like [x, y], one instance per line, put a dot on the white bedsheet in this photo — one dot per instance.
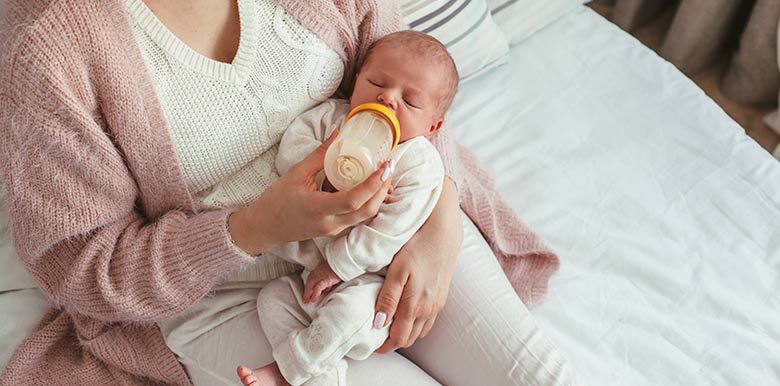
[665, 214]
[20, 311]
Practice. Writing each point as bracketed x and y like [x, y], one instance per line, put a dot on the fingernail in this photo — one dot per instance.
[379, 319]
[386, 174]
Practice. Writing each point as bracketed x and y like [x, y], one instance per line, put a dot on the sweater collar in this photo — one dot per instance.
[236, 72]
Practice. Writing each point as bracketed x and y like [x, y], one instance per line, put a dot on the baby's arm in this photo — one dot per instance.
[417, 183]
[307, 131]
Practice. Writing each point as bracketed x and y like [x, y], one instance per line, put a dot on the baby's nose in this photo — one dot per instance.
[387, 101]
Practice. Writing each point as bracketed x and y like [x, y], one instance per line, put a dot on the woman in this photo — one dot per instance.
[111, 150]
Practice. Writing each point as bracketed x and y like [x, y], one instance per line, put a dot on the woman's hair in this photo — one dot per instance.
[429, 47]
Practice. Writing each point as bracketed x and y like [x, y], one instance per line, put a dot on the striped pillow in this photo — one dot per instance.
[521, 18]
[463, 26]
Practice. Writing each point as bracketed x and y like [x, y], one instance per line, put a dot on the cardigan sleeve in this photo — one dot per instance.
[449, 152]
[74, 208]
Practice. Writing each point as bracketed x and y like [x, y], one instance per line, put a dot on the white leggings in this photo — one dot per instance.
[483, 336]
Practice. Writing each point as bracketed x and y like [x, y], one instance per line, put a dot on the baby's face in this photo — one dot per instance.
[406, 84]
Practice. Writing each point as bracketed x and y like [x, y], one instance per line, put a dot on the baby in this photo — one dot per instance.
[316, 319]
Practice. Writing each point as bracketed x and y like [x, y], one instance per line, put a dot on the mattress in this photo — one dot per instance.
[666, 216]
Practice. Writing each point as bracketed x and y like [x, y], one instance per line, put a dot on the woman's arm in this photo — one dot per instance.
[74, 208]
[418, 279]
[99, 256]
[293, 208]
[78, 227]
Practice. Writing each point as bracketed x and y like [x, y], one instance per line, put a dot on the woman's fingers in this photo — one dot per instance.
[389, 296]
[414, 314]
[403, 322]
[329, 131]
[428, 325]
[368, 210]
[399, 333]
[419, 324]
[354, 199]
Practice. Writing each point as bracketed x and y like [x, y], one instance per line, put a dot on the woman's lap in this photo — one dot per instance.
[211, 343]
[484, 335]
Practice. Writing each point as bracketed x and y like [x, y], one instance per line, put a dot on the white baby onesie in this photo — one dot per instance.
[310, 341]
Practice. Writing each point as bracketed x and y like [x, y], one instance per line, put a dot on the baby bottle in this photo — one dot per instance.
[370, 132]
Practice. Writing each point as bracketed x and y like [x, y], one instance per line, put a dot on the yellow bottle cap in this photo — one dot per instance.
[384, 112]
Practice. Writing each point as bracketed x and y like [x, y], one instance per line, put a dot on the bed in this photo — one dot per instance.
[666, 216]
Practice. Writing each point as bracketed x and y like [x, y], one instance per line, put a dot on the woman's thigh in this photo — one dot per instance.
[224, 330]
[485, 334]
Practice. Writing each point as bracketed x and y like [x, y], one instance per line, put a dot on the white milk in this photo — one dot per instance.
[369, 134]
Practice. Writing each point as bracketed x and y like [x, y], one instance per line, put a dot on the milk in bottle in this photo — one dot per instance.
[370, 132]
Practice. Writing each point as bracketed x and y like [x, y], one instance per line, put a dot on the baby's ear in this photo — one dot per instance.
[435, 126]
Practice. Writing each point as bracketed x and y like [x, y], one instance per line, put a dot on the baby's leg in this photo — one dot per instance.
[312, 339]
[279, 315]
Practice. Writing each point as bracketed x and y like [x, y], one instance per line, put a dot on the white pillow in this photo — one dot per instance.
[13, 275]
[463, 26]
[521, 18]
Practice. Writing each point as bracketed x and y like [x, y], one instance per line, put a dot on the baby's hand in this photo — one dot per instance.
[320, 281]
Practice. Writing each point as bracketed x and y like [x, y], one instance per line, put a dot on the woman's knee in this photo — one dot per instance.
[500, 342]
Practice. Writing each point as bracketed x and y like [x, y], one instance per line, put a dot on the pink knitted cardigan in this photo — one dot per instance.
[100, 212]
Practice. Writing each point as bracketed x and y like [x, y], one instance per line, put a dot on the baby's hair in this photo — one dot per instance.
[430, 47]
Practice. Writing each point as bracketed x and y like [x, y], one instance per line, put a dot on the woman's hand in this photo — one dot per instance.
[293, 209]
[418, 279]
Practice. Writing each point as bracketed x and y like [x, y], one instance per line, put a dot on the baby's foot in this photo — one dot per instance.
[268, 375]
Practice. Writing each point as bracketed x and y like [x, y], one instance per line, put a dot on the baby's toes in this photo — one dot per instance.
[247, 376]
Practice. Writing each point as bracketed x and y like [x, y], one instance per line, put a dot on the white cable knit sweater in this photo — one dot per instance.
[224, 115]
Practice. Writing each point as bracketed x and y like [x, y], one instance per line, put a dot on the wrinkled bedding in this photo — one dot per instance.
[665, 214]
